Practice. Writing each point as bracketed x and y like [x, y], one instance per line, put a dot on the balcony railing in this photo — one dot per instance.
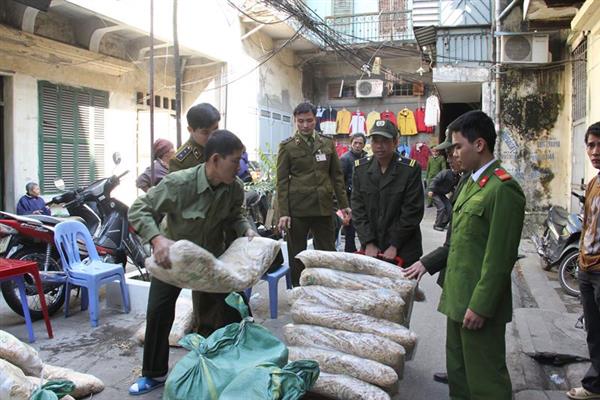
[464, 47]
[373, 27]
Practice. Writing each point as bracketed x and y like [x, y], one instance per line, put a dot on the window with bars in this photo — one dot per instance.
[402, 89]
[580, 81]
[71, 135]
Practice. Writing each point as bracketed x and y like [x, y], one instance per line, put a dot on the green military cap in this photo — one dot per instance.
[384, 128]
[446, 144]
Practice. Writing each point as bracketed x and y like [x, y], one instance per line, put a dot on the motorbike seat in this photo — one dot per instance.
[49, 220]
[559, 216]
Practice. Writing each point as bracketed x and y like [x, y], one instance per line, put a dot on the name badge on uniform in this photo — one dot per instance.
[321, 157]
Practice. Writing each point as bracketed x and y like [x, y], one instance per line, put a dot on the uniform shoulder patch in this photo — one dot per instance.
[324, 136]
[197, 153]
[407, 161]
[484, 181]
[284, 141]
[502, 174]
[183, 153]
[362, 161]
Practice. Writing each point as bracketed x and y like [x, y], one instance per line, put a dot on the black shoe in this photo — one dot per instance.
[441, 377]
[429, 205]
[438, 228]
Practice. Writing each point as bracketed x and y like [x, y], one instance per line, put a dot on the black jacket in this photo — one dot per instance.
[347, 160]
[444, 182]
[387, 209]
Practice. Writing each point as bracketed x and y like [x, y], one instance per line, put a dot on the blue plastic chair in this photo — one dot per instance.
[89, 274]
[272, 279]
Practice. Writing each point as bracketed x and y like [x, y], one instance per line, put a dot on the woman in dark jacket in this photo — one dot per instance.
[163, 152]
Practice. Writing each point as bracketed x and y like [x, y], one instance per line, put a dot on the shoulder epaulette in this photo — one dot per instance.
[407, 161]
[197, 153]
[183, 153]
[284, 141]
[483, 181]
[324, 135]
[502, 174]
[362, 161]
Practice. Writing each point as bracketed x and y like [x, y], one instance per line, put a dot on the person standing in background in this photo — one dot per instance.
[435, 165]
[163, 152]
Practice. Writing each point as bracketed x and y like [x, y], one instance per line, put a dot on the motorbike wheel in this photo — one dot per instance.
[567, 273]
[54, 292]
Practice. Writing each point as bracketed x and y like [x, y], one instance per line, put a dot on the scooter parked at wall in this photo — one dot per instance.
[32, 238]
[559, 244]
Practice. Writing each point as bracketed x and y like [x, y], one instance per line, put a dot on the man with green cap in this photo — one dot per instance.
[387, 199]
[435, 165]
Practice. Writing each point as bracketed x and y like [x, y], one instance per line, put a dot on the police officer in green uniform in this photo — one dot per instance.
[387, 199]
[487, 221]
[435, 165]
[198, 204]
[308, 176]
[202, 120]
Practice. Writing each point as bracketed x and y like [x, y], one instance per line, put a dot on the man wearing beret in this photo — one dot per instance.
[163, 152]
[387, 199]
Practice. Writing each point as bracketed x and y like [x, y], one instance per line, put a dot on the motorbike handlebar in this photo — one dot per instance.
[579, 196]
[123, 174]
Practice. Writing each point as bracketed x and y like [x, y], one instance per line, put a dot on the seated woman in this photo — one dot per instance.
[31, 202]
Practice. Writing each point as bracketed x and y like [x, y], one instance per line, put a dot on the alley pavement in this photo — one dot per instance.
[545, 352]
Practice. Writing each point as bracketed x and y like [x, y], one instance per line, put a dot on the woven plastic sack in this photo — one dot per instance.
[14, 385]
[182, 324]
[336, 362]
[349, 262]
[343, 387]
[20, 354]
[311, 314]
[378, 303]
[270, 382]
[214, 362]
[85, 384]
[240, 267]
[363, 345]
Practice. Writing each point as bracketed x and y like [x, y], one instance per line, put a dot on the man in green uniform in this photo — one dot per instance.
[308, 176]
[202, 120]
[487, 221]
[198, 204]
[387, 199]
[435, 165]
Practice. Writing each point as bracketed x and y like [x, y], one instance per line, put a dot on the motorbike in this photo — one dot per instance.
[559, 244]
[32, 238]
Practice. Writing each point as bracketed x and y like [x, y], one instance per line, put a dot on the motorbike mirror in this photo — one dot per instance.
[59, 184]
[116, 158]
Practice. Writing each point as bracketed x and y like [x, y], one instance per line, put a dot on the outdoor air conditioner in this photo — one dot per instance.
[525, 48]
[369, 88]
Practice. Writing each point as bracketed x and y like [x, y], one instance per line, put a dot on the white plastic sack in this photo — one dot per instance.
[14, 385]
[363, 345]
[240, 267]
[343, 387]
[20, 354]
[311, 314]
[349, 262]
[85, 384]
[336, 362]
[378, 303]
[182, 324]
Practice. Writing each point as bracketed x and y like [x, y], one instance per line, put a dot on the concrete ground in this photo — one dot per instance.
[110, 352]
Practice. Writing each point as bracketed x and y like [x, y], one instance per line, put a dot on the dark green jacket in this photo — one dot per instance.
[487, 221]
[188, 155]
[435, 165]
[306, 185]
[193, 210]
[387, 209]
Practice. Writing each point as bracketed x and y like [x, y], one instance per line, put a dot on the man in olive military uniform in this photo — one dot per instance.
[487, 221]
[387, 199]
[198, 204]
[435, 165]
[308, 176]
[202, 120]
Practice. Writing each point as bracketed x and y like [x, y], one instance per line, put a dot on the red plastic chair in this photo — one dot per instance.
[16, 270]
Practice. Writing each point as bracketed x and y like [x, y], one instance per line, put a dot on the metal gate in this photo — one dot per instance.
[579, 110]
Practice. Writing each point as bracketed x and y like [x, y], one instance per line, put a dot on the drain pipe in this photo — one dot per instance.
[497, 53]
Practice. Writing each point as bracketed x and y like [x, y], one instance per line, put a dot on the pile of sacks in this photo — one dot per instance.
[22, 372]
[351, 314]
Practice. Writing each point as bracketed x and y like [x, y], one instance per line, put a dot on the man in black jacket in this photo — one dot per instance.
[442, 184]
[348, 159]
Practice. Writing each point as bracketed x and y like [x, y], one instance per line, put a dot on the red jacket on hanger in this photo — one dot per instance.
[389, 116]
[420, 119]
[420, 152]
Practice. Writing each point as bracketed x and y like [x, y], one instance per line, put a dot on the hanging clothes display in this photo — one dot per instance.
[371, 118]
[420, 152]
[389, 116]
[404, 150]
[406, 122]
[328, 119]
[344, 117]
[432, 111]
[341, 149]
[320, 111]
[358, 123]
[420, 120]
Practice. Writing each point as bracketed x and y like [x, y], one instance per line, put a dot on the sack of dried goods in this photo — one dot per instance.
[343, 387]
[14, 385]
[85, 384]
[20, 354]
[182, 324]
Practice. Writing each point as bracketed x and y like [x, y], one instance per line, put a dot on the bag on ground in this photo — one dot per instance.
[14, 385]
[20, 354]
[182, 324]
[85, 384]
[240, 267]
[343, 387]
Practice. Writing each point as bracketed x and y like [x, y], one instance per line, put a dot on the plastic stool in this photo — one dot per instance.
[272, 279]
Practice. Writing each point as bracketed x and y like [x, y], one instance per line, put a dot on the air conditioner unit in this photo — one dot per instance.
[525, 48]
[369, 88]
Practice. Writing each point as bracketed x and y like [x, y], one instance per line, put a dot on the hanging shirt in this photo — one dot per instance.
[319, 115]
[327, 123]
[389, 116]
[432, 111]
[406, 122]
[344, 117]
[420, 152]
[358, 124]
[371, 118]
[420, 120]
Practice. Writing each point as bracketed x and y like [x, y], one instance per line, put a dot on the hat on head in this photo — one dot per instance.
[162, 147]
[384, 128]
[445, 145]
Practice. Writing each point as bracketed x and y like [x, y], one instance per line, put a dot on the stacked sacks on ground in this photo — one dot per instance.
[351, 315]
